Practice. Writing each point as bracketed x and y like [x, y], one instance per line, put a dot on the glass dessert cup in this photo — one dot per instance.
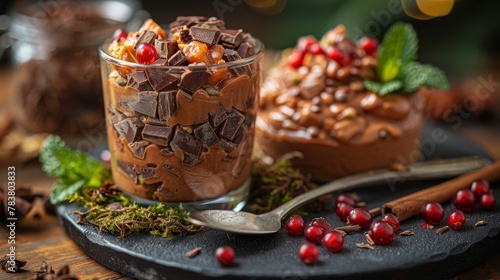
[173, 139]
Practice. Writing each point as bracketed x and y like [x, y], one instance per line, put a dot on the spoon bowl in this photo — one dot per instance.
[237, 222]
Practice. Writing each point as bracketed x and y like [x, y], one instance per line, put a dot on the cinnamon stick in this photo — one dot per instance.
[410, 205]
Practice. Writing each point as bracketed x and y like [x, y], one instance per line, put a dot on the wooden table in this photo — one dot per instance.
[43, 239]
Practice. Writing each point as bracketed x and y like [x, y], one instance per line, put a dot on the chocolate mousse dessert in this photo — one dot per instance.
[180, 108]
[347, 106]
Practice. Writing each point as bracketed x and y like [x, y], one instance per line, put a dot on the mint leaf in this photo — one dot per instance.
[398, 47]
[73, 169]
[372, 85]
[436, 78]
[392, 86]
[416, 75]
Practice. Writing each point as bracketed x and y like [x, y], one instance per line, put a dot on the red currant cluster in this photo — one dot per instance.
[464, 201]
[309, 44]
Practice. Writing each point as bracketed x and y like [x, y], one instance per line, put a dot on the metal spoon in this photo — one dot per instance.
[248, 223]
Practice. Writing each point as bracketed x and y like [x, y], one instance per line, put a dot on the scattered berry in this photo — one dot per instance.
[464, 200]
[314, 234]
[456, 220]
[304, 44]
[335, 54]
[345, 198]
[432, 213]
[381, 233]
[391, 220]
[369, 44]
[309, 253]
[315, 48]
[343, 210]
[359, 216]
[146, 53]
[487, 201]
[119, 34]
[295, 225]
[427, 226]
[333, 241]
[225, 255]
[295, 59]
[321, 222]
[480, 187]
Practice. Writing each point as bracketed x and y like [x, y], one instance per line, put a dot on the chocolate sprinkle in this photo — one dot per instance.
[157, 134]
[191, 81]
[205, 35]
[159, 78]
[127, 129]
[139, 148]
[167, 104]
[146, 104]
[127, 169]
[186, 143]
[177, 59]
[146, 37]
[232, 124]
[206, 134]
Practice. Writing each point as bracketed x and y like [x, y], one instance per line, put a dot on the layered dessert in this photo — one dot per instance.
[181, 107]
[331, 100]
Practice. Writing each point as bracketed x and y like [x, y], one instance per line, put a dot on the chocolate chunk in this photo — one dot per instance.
[151, 121]
[159, 78]
[166, 48]
[191, 81]
[220, 115]
[167, 151]
[160, 61]
[232, 55]
[157, 134]
[127, 129]
[139, 81]
[240, 136]
[177, 59]
[206, 134]
[186, 143]
[163, 193]
[228, 158]
[146, 37]
[187, 95]
[209, 36]
[186, 21]
[214, 23]
[185, 36]
[149, 173]
[232, 37]
[127, 169]
[146, 104]
[139, 148]
[245, 50]
[189, 160]
[227, 146]
[232, 124]
[167, 105]
[125, 107]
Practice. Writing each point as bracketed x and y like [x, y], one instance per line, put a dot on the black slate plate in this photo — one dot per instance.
[425, 254]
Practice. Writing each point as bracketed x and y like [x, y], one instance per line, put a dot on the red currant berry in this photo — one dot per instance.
[315, 48]
[391, 220]
[295, 225]
[119, 34]
[225, 255]
[309, 253]
[345, 198]
[321, 222]
[304, 43]
[359, 216]
[456, 220]
[333, 241]
[314, 234]
[427, 226]
[487, 201]
[343, 210]
[480, 187]
[464, 200]
[381, 233]
[369, 44]
[146, 53]
[432, 213]
[295, 59]
[335, 54]
[345, 60]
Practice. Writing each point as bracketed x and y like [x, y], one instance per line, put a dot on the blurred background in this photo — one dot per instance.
[464, 43]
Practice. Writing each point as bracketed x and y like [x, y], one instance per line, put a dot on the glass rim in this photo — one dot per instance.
[103, 54]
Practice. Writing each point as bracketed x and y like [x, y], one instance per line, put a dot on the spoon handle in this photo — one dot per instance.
[423, 170]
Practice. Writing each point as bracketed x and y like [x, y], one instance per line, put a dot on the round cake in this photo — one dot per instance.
[316, 102]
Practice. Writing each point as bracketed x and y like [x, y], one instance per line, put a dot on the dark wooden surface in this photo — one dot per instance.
[43, 239]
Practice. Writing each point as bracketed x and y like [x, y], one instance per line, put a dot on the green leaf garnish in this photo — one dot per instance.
[397, 67]
[73, 169]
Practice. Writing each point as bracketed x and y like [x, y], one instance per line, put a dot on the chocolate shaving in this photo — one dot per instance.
[191, 81]
[341, 232]
[159, 135]
[127, 129]
[146, 37]
[139, 148]
[480, 223]
[349, 228]
[18, 264]
[442, 229]
[127, 169]
[146, 104]
[369, 239]
[406, 233]
[159, 78]
[374, 212]
[206, 134]
[167, 104]
[209, 36]
[193, 253]
[177, 59]
[364, 246]
[232, 124]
